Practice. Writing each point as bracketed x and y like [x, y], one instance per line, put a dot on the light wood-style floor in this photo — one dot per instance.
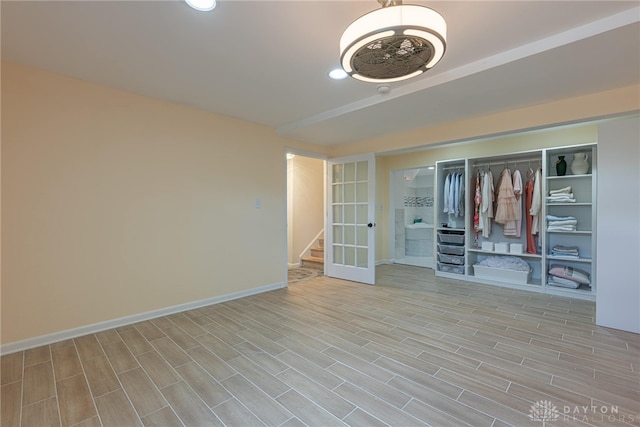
[413, 350]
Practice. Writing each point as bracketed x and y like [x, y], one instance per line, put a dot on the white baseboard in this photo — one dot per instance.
[16, 346]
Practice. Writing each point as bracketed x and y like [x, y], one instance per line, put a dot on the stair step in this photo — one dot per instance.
[321, 242]
[317, 252]
[313, 262]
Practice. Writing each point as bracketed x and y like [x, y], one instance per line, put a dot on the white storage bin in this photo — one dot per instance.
[448, 268]
[502, 275]
[487, 246]
[515, 248]
[451, 250]
[456, 239]
[502, 247]
[451, 259]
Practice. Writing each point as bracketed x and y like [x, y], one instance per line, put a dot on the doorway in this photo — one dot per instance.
[412, 216]
[305, 216]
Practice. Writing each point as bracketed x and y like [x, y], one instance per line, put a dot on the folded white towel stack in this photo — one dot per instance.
[562, 195]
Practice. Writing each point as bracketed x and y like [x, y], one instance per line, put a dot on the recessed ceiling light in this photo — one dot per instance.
[338, 74]
[202, 5]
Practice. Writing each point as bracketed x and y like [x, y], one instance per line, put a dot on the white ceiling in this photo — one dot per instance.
[267, 61]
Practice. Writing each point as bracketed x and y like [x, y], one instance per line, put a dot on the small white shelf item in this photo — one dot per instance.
[501, 247]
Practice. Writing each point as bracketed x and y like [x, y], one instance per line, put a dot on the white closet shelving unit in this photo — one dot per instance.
[451, 232]
[460, 247]
[583, 187]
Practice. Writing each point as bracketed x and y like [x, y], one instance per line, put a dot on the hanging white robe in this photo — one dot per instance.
[486, 209]
[454, 194]
[460, 198]
[445, 193]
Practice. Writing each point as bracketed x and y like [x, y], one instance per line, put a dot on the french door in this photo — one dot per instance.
[350, 231]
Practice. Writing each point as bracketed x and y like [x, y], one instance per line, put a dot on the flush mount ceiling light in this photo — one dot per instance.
[202, 5]
[394, 43]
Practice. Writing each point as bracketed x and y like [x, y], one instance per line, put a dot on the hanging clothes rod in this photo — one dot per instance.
[507, 162]
[449, 168]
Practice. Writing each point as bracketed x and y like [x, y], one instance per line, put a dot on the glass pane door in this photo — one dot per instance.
[350, 235]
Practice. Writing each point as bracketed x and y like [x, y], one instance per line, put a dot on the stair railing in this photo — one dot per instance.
[308, 248]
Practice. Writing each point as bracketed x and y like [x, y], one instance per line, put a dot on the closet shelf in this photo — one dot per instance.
[577, 232]
[561, 258]
[569, 204]
[522, 255]
[582, 289]
[588, 175]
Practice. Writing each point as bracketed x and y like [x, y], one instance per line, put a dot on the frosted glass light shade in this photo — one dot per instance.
[393, 43]
[202, 5]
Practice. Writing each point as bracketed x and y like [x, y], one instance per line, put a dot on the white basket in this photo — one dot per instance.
[448, 268]
[457, 239]
[515, 248]
[451, 250]
[502, 275]
[451, 259]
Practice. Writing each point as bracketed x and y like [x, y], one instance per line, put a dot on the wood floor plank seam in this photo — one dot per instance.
[113, 370]
[22, 387]
[130, 370]
[55, 385]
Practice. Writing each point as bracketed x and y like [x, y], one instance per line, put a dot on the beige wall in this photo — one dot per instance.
[306, 217]
[115, 204]
[580, 109]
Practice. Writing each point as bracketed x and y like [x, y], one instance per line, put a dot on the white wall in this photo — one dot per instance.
[618, 235]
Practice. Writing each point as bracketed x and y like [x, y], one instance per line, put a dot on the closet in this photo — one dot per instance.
[520, 223]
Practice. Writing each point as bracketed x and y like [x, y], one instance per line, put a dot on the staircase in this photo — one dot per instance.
[316, 259]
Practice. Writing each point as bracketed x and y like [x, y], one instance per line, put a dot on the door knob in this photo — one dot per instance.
[370, 225]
